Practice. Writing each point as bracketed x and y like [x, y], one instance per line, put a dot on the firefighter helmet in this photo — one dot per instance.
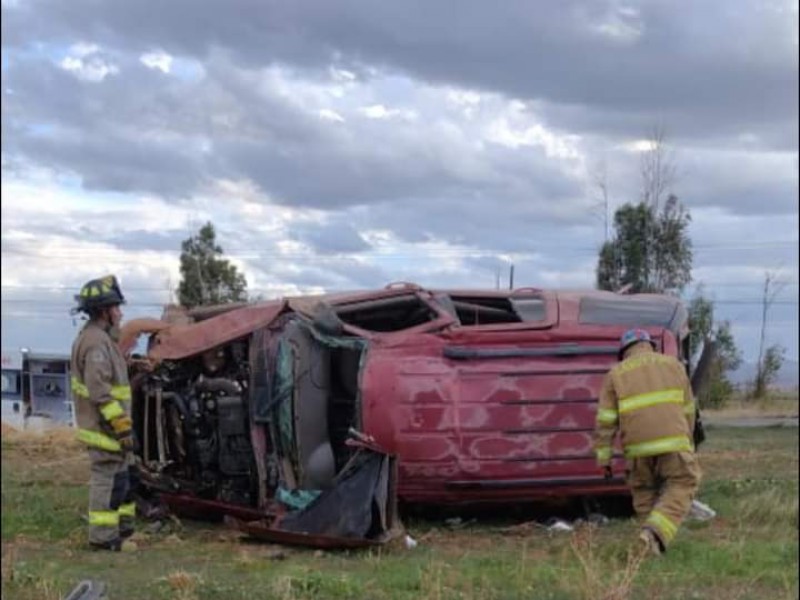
[631, 337]
[99, 293]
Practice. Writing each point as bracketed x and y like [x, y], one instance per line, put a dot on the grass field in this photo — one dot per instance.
[776, 404]
[749, 551]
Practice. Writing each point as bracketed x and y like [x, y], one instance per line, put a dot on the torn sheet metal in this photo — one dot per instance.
[359, 510]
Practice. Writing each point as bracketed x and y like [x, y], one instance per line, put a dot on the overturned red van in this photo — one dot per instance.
[307, 418]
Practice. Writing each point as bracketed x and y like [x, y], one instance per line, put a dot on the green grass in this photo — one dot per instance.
[749, 551]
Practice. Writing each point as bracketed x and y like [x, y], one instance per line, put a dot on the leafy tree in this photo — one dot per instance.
[727, 356]
[206, 277]
[650, 251]
[771, 363]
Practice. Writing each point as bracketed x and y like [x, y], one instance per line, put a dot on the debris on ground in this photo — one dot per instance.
[458, 522]
[410, 542]
[597, 519]
[88, 589]
[558, 525]
[701, 512]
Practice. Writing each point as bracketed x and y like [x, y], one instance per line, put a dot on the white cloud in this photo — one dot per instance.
[516, 133]
[638, 146]
[326, 114]
[342, 75]
[86, 62]
[379, 111]
[621, 25]
[157, 60]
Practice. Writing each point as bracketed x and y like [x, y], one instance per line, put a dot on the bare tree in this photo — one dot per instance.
[658, 174]
[657, 169]
[600, 181]
[769, 359]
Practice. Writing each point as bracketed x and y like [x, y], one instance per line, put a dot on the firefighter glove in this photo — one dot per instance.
[123, 430]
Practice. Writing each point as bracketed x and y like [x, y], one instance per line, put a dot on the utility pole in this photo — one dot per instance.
[511, 278]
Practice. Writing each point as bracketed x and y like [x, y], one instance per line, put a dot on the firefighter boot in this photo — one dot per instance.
[650, 542]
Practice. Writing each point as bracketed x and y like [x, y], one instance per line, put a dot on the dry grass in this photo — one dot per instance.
[8, 430]
[60, 459]
[770, 507]
[183, 584]
[598, 581]
[8, 564]
[40, 588]
[48, 441]
[776, 405]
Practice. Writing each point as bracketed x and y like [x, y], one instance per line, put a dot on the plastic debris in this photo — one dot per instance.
[559, 525]
[410, 542]
[701, 512]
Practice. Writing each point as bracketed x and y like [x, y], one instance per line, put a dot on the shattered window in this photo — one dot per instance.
[387, 314]
[477, 310]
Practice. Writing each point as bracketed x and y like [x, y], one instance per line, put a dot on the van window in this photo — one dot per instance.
[633, 312]
[387, 314]
[483, 310]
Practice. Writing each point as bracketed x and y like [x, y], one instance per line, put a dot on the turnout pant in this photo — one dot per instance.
[663, 488]
[111, 505]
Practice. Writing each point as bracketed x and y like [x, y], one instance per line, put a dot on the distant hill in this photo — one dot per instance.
[788, 376]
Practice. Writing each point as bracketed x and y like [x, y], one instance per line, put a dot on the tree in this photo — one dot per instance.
[771, 361]
[206, 278]
[727, 357]
[768, 368]
[650, 250]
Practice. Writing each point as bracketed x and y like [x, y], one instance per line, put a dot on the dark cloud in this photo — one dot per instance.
[709, 68]
[171, 137]
[720, 77]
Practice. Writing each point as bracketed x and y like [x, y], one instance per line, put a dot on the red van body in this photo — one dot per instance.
[471, 396]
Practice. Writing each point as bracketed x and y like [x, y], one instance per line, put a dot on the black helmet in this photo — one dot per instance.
[99, 293]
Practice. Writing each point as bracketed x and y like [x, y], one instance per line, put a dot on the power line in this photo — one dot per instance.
[67, 254]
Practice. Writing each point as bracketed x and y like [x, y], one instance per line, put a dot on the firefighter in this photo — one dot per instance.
[647, 397]
[102, 397]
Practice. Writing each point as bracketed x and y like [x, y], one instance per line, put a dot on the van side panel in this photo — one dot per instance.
[484, 429]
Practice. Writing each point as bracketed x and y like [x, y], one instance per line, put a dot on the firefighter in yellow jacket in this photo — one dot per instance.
[102, 396]
[647, 398]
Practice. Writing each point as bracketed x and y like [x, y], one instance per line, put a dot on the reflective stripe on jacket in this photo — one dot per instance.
[647, 398]
[100, 388]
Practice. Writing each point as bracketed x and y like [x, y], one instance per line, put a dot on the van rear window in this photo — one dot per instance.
[650, 312]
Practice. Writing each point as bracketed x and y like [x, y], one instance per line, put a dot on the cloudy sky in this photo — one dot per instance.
[347, 145]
